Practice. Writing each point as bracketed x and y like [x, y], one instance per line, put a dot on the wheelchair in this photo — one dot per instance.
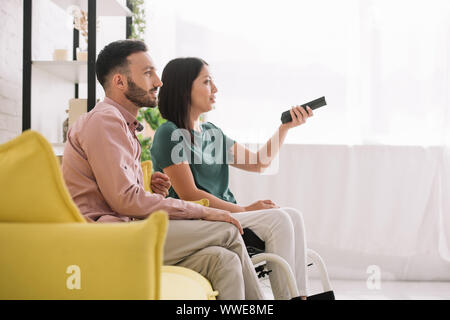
[256, 250]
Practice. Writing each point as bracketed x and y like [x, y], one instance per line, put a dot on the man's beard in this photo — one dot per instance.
[139, 96]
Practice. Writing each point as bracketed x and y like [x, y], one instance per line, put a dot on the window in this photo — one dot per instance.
[383, 66]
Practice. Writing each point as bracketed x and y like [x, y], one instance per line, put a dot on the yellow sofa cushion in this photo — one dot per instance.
[147, 168]
[178, 283]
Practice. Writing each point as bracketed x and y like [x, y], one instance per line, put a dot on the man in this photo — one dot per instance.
[101, 167]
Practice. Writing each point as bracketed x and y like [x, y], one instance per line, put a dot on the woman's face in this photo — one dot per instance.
[203, 92]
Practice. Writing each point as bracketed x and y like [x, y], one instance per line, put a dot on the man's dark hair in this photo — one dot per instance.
[114, 56]
[175, 95]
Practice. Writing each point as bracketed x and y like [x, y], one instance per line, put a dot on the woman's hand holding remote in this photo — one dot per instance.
[299, 116]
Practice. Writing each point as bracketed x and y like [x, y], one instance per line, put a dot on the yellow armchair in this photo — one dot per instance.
[49, 251]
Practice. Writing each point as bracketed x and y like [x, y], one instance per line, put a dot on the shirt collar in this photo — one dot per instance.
[131, 120]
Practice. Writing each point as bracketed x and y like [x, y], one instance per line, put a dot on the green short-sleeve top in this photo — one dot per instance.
[208, 156]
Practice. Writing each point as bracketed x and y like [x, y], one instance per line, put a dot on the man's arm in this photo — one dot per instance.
[110, 153]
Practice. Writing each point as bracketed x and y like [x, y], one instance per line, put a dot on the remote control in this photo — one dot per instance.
[286, 116]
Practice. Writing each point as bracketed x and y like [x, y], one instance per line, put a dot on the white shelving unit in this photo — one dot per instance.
[104, 7]
[73, 71]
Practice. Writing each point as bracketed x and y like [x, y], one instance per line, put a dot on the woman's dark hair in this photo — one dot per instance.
[175, 94]
[114, 56]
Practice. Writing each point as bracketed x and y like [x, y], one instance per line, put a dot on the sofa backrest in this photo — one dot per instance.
[32, 188]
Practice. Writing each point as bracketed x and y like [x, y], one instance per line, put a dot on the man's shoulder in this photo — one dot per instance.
[100, 114]
[103, 109]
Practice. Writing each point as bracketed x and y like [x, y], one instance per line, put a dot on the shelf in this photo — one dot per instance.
[104, 7]
[73, 71]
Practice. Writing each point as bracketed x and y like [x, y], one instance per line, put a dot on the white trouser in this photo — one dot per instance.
[283, 232]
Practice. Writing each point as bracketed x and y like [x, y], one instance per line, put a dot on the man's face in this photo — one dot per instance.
[143, 82]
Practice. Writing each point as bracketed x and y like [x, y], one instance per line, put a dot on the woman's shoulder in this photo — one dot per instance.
[161, 139]
[167, 125]
[210, 125]
[166, 128]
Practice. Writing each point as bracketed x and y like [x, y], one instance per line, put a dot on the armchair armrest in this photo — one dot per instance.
[82, 260]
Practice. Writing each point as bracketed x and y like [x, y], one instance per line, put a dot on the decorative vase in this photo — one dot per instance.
[82, 55]
[60, 55]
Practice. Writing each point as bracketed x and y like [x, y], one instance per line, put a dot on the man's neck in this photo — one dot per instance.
[124, 102]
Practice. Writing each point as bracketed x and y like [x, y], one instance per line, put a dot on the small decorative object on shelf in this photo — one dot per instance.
[80, 22]
[60, 55]
[76, 108]
[82, 55]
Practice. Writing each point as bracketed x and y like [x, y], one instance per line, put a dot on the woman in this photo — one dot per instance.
[196, 157]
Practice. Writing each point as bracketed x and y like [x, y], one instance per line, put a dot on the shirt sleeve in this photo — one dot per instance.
[109, 150]
[170, 146]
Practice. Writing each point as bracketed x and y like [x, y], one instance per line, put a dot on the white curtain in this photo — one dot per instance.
[381, 64]
[371, 170]
[364, 205]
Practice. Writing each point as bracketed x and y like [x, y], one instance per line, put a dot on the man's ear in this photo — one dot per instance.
[119, 81]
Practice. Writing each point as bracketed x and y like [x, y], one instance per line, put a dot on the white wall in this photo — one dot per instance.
[10, 69]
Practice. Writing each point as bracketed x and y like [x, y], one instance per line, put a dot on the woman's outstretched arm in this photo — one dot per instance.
[257, 162]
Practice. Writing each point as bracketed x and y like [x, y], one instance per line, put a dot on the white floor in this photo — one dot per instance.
[389, 290]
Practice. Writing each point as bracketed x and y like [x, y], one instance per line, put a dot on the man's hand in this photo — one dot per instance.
[261, 205]
[160, 183]
[212, 214]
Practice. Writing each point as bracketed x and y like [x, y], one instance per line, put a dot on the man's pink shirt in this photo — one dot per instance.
[102, 170]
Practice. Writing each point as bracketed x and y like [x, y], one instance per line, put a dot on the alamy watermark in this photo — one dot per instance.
[374, 280]
[74, 280]
[218, 150]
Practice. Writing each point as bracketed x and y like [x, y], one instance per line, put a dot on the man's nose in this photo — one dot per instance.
[158, 83]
